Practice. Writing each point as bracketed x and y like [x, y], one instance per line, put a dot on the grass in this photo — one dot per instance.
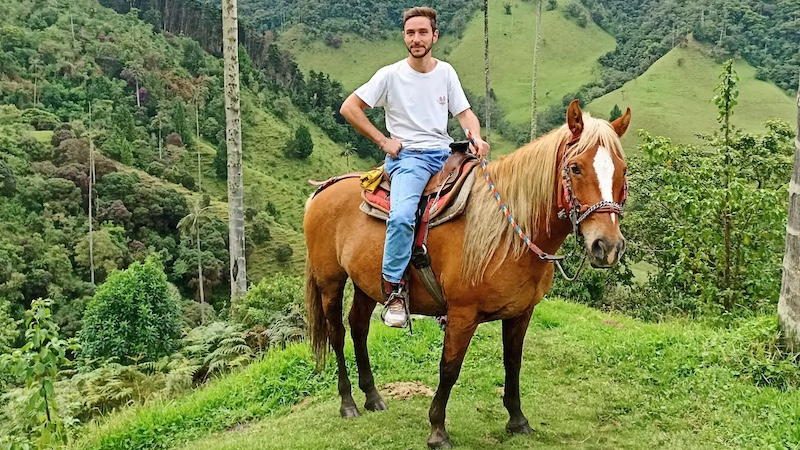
[589, 380]
[567, 58]
[673, 98]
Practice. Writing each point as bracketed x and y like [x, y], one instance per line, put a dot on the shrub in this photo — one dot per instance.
[132, 315]
[260, 229]
[301, 145]
[270, 299]
[283, 253]
[40, 119]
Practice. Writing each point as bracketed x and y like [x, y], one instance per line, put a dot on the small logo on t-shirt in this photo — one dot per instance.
[442, 100]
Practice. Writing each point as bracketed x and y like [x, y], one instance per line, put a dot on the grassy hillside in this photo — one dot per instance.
[589, 380]
[568, 56]
[673, 98]
[269, 176]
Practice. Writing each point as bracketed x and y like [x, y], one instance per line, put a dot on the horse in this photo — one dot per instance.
[486, 271]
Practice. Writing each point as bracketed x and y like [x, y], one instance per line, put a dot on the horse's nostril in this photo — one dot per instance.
[599, 249]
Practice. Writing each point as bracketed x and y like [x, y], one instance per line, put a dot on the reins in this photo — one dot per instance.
[573, 213]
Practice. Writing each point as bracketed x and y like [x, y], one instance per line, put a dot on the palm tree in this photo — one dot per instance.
[349, 150]
[190, 226]
[789, 304]
[488, 112]
[230, 36]
[91, 185]
[535, 78]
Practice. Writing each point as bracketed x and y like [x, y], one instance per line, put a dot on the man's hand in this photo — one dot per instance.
[483, 147]
[391, 147]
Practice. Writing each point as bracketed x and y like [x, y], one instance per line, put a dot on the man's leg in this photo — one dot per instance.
[409, 174]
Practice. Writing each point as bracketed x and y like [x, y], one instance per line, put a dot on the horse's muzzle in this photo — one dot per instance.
[605, 252]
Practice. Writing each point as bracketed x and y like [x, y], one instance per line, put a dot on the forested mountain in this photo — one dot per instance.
[328, 18]
[157, 107]
[764, 32]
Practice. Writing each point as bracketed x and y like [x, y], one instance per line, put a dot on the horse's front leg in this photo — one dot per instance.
[332, 307]
[461, 325]
[359, 328]
[513, 338]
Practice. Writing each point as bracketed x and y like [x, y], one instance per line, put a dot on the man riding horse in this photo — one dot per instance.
[416, 93]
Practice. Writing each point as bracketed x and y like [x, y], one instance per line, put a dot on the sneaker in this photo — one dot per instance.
[395, 314]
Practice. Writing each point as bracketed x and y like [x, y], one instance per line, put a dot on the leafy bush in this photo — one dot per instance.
[270, 299]
[301, 145]
[259, 229]
[132, 315]
[39, 119]
[283, 253]
[37, 364]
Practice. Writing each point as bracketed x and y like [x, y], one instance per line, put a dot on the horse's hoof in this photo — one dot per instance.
[375, 405]
[350, 411]
[519, 427]
[439, 439]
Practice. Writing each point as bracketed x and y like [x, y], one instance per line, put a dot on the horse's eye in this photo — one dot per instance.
[575, 169]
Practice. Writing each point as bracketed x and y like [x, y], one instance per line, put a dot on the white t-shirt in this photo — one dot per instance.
[416, 104]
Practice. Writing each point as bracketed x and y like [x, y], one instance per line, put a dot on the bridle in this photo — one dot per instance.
[576, 213]
[569, 205]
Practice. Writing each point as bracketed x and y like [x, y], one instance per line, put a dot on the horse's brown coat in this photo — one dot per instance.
[344, 242]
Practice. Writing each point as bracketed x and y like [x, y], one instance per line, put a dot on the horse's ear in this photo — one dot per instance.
[575, 118]
[620, 125]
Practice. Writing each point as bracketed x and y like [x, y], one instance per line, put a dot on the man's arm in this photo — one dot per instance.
[353, 111]
[469, 121]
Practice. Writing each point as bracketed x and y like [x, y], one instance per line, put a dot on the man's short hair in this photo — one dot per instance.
[420, 11]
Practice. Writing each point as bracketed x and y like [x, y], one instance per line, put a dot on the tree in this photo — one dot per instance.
[349, 150]
[190, 226]
[535, 74]
[552, 4]
[301, 145]
[488, 113]
[789, 303]
[230, 34]
[616, 113]
[132, 316]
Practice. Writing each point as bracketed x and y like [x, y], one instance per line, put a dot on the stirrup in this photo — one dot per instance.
[393, 297]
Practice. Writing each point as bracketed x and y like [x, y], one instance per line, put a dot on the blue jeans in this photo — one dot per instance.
[409, 172]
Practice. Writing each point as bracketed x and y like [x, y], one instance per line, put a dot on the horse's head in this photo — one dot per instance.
[593, 176]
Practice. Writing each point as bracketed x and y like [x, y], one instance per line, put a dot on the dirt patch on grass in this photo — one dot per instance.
[303, 404]
[404, 390]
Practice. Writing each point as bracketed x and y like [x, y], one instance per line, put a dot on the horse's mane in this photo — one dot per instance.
[526, 181]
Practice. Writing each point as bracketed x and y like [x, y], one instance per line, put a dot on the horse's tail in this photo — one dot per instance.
[315, 317]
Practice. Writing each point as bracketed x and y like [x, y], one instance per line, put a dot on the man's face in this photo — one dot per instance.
[419, 36]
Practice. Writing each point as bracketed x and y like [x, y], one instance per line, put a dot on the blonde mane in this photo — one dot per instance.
[526, 181]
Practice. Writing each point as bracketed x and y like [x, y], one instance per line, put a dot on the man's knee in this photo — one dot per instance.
[403, 216]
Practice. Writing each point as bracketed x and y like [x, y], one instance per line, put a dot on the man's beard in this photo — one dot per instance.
[427, 50]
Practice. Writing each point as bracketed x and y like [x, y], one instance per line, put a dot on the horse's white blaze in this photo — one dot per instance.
[604, 168]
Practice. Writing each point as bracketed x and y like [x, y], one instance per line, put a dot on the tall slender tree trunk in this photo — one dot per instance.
[160, 138]
[230, 34]
[138, 99]
[488, 113]
[197, 129]
[535, 75]
[91, 186]
[200, 277]
[789, 304]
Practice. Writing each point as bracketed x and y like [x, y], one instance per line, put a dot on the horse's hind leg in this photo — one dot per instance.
[513, 338]
[359, 328]
[332, 306]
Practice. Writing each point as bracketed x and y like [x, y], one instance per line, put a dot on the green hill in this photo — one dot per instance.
[568, 56]
[589, 380]
[673, 98]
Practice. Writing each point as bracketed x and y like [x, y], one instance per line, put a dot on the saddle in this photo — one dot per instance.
[447, 191]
